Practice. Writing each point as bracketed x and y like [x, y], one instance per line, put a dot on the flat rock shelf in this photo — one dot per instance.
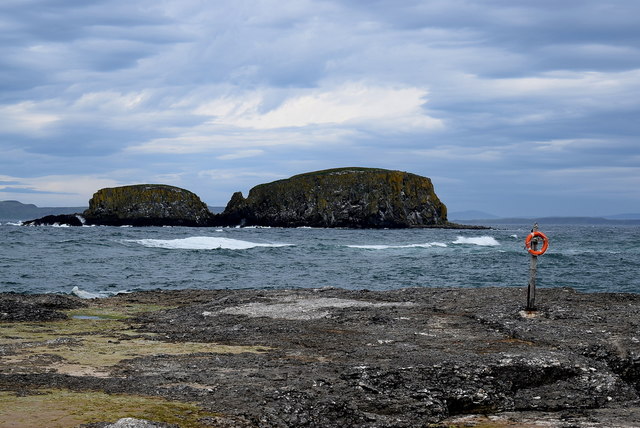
[321, 358]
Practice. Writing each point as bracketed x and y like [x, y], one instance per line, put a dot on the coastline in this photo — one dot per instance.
[78, 220]
[326, 357]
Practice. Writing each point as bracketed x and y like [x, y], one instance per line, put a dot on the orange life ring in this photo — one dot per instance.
[545, 243]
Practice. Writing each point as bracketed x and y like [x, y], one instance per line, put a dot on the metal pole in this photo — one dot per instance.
[531, 290]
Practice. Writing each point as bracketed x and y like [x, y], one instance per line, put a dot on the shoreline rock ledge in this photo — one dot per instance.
[343, 197]
[317, 358]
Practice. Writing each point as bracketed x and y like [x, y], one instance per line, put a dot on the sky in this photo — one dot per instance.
[512, 107]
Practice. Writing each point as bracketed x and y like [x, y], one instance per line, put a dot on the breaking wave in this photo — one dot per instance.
[387, 247]
[78, 292]
[203, 243]
[483, 241]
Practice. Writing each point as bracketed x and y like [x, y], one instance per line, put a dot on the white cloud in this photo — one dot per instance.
[210, 138]
[483, 154]
[241, 154]
[27, 117]
[61, 183]
[58, 189]
[235, 174]
[351, 103]
[302, 117]
[563, 145]
[110, 101]
[557, 84]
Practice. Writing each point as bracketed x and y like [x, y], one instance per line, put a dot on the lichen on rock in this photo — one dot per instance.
[147, 205]
[343, 197]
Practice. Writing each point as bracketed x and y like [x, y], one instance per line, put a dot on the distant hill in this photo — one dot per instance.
[554, 220]
[14, 210]
[628, 216]
[481, 217]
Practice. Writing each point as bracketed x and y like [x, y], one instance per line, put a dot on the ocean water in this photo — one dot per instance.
[99, 261]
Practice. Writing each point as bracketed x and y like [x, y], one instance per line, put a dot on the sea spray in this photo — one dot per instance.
[483, 241]
[392, 247]
[203, 243]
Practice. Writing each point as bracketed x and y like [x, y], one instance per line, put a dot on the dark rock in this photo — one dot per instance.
[403, 358]
[36, 307]
[20, 311]
[147, 205]
[344, 197]
[62, 219]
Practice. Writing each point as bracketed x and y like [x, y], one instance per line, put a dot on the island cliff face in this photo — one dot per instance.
[344, 197]
[147, 205]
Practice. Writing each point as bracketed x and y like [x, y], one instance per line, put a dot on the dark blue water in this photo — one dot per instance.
[105, 260]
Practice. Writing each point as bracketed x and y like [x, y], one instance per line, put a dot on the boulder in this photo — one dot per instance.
[344, 197]
[59, 220]
[147, 205]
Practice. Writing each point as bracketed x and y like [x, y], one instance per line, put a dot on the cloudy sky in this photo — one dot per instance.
[512, 107]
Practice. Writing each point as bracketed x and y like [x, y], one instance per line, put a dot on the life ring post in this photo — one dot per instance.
[531, 244]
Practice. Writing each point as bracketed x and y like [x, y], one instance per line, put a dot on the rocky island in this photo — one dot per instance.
[138, 205]
[147, 205]
[318, 358]
[343, 197]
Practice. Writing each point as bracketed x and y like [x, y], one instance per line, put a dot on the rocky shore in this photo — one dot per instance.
[321, 358]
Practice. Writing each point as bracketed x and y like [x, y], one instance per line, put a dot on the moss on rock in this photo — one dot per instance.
[62, 408]
[344, 197]
[147, 205]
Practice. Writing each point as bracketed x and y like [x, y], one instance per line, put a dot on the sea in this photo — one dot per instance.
[101, 261]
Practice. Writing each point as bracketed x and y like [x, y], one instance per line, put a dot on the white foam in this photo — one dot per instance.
[483, 241]
[76, 291]
[203, 243]
[388, 247]
[11, 223]
[86, 294]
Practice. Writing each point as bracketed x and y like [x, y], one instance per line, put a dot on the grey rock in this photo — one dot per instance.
[132, 423]
[403, 358]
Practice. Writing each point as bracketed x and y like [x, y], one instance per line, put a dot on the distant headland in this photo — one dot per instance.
[352, 197]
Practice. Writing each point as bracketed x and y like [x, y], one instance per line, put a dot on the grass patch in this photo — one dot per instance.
[116, 312]
[55, 408]
[27, 332]
[90, 347]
